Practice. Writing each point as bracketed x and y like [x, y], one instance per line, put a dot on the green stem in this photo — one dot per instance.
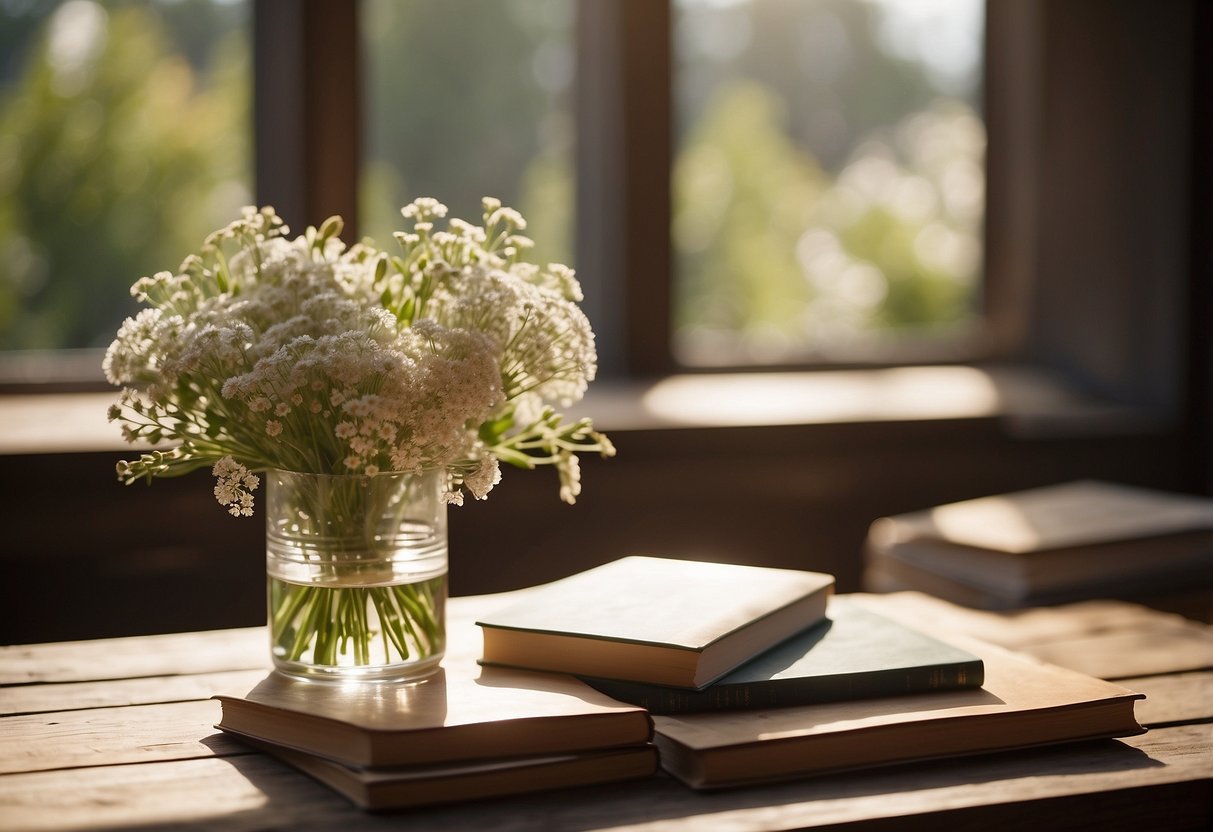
[387, 620]
[296, 596]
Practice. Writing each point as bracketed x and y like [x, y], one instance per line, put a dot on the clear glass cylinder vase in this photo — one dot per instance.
[357, 574]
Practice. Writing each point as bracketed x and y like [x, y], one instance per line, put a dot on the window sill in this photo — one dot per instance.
[1026, 400]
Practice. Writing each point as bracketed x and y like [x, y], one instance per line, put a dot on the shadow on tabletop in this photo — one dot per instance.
[661, 797]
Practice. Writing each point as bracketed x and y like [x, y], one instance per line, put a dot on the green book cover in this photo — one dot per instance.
[853, 654]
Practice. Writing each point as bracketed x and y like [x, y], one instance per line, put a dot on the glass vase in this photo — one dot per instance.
[357, 574]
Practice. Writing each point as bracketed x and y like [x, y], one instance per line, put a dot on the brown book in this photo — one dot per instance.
[463, 712]
[1045, 544]
[657, 620]
[1022, 703]
[889, 573]
[409, 786]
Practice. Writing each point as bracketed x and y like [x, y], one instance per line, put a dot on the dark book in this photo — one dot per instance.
[853, 654]
[1022, 703]
[656, 620]
[1046, 545]
[411, 786]
[462, 713]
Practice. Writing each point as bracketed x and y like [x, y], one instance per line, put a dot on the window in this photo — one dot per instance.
[145, 188]
[445, 116]
[603, 133]
[828, 176]
[124, 138]
[1095, 267]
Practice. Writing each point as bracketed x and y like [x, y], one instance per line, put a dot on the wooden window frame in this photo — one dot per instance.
[795, 493]
[307, 110]
[1043, 109]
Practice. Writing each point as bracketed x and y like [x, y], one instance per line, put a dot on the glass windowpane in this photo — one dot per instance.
[829, 176]
[124, 139]
[466, 99]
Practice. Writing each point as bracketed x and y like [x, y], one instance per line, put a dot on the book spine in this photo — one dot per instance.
[789, 692]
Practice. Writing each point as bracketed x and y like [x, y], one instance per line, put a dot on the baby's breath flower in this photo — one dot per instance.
[481, 481]
[234, 486]
[307, 355]
[569, 467]
[424, 209]
[509, 216]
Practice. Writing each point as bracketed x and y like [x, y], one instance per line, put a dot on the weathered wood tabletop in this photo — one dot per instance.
[118, 734]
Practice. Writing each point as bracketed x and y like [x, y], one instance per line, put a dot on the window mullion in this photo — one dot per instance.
[307, 115]
[623, 165]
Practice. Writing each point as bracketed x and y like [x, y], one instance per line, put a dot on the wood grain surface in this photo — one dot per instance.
[119, 733]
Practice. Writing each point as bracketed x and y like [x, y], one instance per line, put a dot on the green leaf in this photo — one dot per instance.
[492, 430]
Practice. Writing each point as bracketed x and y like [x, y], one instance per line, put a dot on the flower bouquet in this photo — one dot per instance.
[372, 388]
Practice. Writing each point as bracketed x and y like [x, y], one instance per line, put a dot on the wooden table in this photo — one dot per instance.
[118, 734]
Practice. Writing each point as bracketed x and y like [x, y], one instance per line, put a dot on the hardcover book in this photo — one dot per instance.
[410, 786]
[1046, 545]
[1022, 703]
[853, 654]
[464, 712]
[657, 620]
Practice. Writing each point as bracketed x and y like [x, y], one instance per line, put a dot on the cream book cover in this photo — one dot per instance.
[1023, 702]
[1053, 517]
[657, 620]
[462, 712]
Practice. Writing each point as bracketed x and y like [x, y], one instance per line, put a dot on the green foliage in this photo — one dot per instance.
[809, 203]
[114, 159]
[824, 191]
[454, 109]
[745, 193]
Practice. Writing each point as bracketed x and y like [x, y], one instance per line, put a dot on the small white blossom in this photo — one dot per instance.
[307, 355]
[569, 468]
[424, 209]
[481, 481]
[234, 486]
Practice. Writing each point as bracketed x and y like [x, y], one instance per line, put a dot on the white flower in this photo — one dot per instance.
[481, 481]
[424, 209]
[235, 486]
[445, 355]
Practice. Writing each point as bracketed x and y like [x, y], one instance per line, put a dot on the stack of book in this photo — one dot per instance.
[464, 733]
[723, 674]
[811, 683]
[1055, 544]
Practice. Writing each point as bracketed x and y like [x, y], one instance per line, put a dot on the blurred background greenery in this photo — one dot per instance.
[828, 176]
